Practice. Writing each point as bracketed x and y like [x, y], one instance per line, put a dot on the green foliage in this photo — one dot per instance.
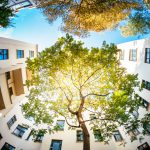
[81, 16]
[70, 80]
[5, 14]
[138, 22]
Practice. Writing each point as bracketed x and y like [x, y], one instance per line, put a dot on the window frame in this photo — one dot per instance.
[143, 146]
[31, 54]
[117, 134]
[39, 137]
[147, 55]
[79, 136]
[121, 54]
[146, 84]
[20, 54]
[98, 134]
[58, 141]
[11, 121]
[21, 130]
[146, 104]
[61, 127]
[9, 146]
[4, 53]
[133, 55]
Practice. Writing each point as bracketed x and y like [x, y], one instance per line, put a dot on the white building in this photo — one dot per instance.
[19, 4]
[16, 131]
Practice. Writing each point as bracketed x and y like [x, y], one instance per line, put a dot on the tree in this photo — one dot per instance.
[5, 14]
[81, 16]
[70, 80]
[138, 23]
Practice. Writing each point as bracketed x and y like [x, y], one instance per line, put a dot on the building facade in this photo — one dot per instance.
[20, 4]
[13, 75]
[16, 131]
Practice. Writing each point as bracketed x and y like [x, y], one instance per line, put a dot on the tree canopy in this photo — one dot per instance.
[70, 80]
[80, 16]
[5, 14]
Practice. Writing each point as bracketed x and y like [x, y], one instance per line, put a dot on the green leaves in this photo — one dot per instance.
[5, 14]
[80, 17]
[69, 79]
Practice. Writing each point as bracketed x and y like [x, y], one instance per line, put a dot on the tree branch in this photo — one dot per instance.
[94, 94]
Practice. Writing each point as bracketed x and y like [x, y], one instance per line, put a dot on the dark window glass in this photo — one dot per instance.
[7, 75]
[31, 54]
[3, 54]
[98, 135]
[56, 145]
[79, 135]
[11, 121]
[148, 128]
[133, 55]
[20, 53]
[117, 136]
[144, 146]
[146, 84]
[145, 103]
[7, 146]
[60, 124]
[19, 131]
[147, 55]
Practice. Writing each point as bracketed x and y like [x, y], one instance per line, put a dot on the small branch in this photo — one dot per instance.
[94, 94]
[91, 111]
[74, 126]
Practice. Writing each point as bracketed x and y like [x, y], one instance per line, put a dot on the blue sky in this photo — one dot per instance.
[31, 25]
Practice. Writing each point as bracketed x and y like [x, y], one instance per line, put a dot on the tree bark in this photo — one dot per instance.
[86, 135]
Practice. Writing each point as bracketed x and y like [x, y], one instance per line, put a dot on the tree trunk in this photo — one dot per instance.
[86, 135]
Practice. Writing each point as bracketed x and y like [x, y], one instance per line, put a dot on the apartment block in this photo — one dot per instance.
[13, 72]
[16, 131]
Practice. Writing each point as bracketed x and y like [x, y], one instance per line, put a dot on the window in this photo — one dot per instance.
[19, 131]
[79, 135]
[146, 84]
[60, 124]
[30, 135]
[31, 54]
[98, 135]
[11, 121]
[7, 75]
[147, 55]
[133, 55]
[145, 103]
[20, 53]
[7, 146]
[134, 132]
[0, 136]
[144, 146]
[121, 55]
[92, 116]
[117, 136]
[3, 54]
[56, 145]
[39, 137]
[148, 128]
